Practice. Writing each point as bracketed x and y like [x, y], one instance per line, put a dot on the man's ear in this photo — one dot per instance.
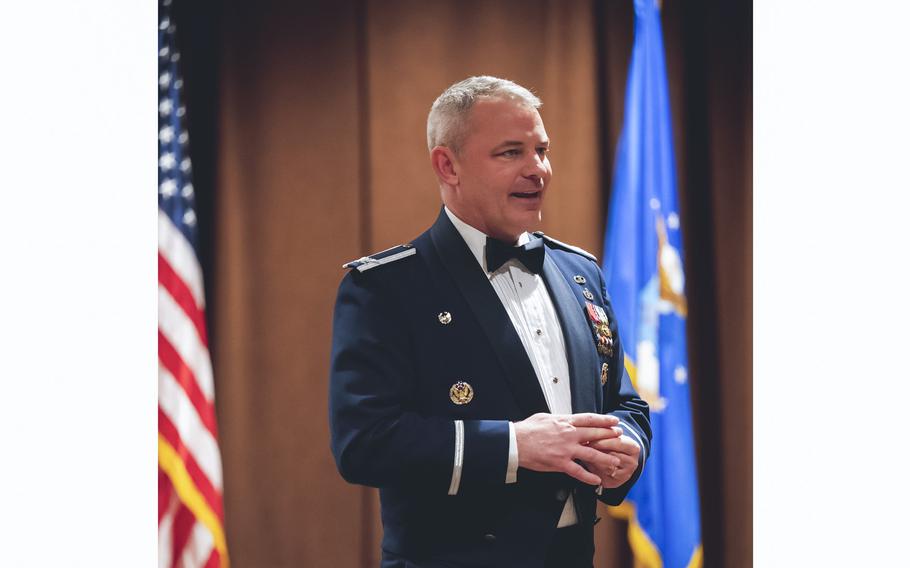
[443, 161]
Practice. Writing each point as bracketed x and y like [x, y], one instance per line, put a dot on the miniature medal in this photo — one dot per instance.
[600, 325]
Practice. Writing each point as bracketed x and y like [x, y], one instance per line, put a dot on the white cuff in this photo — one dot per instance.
[459, 458]
[512, 469]
[634, 435]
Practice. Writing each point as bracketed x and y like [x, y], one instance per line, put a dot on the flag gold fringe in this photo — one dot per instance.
[175, 469]
[643, 549]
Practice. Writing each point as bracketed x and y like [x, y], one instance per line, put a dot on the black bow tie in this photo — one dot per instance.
[530, 254]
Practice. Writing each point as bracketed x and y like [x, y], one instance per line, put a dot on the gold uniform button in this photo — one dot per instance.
[461, 393]
[445, 318]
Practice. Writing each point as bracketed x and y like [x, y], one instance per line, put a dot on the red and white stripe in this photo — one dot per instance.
[186, 412]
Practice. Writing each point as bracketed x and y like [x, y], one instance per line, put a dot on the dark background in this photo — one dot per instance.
[307, 137]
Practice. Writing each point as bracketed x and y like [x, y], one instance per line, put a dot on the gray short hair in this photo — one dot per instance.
[449, 114]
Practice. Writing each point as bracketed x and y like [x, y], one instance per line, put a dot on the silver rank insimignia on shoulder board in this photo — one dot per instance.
[365, 263]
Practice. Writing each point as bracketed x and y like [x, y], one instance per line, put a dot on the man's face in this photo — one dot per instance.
[503, 169]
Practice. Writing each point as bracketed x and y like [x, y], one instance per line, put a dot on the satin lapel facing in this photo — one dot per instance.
[492, 316]
[579, 343]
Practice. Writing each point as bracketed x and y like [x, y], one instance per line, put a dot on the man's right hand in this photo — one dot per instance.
[552, 442]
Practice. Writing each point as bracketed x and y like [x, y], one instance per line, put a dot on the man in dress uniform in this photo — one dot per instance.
[477, 375]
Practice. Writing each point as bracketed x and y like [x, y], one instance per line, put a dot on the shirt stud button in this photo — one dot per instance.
[555, 380]
[539, 331]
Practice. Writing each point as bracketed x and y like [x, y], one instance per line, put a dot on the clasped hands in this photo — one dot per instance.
[553, 442]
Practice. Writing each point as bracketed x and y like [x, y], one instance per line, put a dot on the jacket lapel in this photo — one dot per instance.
[579, 344]
[475, 287]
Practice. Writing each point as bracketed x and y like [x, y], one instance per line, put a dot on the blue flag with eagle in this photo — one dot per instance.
[644, 274]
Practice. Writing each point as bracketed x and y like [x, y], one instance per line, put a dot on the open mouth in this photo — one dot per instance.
[526, 194]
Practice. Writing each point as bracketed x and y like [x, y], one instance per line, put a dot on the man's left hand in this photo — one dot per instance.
[626, 450]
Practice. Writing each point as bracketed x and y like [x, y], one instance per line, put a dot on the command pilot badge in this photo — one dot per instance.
[461, 393]
[600, 325]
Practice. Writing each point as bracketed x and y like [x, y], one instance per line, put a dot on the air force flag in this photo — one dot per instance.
[643, 269]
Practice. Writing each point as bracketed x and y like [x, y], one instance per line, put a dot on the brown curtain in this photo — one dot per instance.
[315, 154]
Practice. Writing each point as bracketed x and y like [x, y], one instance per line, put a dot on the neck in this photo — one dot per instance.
[483, 228]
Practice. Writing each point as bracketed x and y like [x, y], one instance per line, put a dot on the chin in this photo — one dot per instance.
[527, 220]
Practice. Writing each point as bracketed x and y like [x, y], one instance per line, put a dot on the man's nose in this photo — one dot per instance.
[536, 167]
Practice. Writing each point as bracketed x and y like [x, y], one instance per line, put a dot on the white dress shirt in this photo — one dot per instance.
[525, 297]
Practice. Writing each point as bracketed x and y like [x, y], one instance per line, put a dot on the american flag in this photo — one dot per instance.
[190, 511]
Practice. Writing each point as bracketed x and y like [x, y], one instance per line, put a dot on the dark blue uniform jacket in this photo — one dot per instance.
[392, 418]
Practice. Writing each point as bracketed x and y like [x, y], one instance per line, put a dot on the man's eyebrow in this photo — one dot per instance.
[520, 143]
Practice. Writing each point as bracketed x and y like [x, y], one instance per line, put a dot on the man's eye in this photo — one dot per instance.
[510, 153]
[543, 151]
